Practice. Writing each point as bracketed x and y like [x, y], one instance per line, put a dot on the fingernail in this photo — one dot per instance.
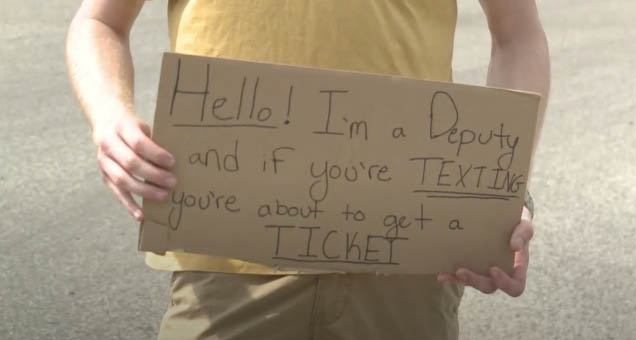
[137, 215]
[163, 196]
[494, 271]
[462, 276]
[171, 182]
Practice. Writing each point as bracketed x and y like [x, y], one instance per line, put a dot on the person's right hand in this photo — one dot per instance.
[131, 163]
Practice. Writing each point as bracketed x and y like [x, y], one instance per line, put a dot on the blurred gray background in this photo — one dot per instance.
[69, 268]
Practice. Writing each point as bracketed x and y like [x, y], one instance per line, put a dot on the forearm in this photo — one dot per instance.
[522, 64]
[101, 70]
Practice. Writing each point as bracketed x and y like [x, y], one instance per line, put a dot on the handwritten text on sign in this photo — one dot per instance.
[307, 168]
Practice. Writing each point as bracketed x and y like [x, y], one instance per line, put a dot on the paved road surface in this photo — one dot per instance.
[68, 264]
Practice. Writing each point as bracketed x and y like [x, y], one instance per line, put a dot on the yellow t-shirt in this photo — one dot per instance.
[411, 38]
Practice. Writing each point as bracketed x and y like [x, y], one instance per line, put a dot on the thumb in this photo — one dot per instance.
[145, 128]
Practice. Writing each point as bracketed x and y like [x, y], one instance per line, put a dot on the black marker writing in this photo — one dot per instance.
[330, 94]
[209, 200]
[228, 162]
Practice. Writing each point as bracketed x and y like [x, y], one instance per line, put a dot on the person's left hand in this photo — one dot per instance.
[498, 279]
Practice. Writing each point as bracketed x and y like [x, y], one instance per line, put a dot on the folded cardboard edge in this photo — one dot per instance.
[155, 240]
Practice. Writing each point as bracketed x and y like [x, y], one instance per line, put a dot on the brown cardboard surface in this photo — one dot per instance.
[306, 168]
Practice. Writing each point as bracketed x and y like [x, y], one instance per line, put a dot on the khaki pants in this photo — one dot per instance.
[302, 307]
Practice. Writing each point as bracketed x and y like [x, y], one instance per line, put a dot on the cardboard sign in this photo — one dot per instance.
[305, 168]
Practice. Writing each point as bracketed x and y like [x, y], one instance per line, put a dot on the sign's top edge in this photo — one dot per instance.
[525, 93]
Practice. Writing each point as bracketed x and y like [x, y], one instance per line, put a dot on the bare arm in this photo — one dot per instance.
[99, 59]
[101, 71]
[519, 60]
[519, 57]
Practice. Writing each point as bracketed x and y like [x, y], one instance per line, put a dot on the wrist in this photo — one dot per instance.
[528, 204]
[109, 109]
[109, 121]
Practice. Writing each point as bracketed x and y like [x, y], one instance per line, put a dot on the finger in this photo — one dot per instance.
[526, 214]
[521, 235]
[515, 285]
[125, 198]
[145, 147]
[136, 165]
[123, 180]
[522, 260]
[145, 128]
[482, 283]
[448, 278]
[511, 286]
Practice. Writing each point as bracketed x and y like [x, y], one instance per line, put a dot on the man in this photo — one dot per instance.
[220, 298]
